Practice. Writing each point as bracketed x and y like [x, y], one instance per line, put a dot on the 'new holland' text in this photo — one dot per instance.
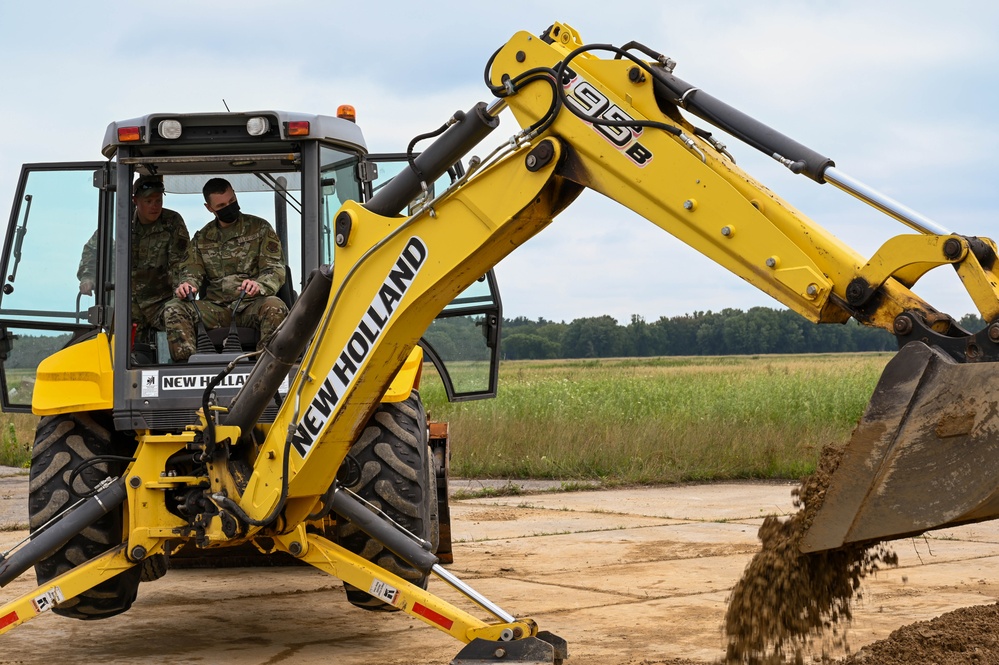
[359, 346]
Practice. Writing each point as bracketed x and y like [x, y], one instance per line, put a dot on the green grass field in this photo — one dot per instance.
[649, 420]
[659, 420]
[17, 433]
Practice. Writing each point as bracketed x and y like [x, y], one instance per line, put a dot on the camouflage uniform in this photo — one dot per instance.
[225, 256]
[157, 252]
[87, 272]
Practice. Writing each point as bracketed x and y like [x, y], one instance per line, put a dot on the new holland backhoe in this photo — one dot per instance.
[282, 462]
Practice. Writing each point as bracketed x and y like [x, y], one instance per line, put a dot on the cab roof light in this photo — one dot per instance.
[129, 134]
[346, 111]
[169, 129]
[298, 128]
[258, 126]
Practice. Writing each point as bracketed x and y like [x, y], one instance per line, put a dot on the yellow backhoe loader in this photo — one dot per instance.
[317, 446]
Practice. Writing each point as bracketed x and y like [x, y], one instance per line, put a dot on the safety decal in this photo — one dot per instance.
[47, 600]
[387, 593]
[430, 615]
[150, 383]
[8, 619]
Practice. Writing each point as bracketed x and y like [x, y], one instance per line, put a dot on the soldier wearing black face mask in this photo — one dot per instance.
[233, 254]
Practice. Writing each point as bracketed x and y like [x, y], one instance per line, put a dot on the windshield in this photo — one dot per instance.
[276, 197]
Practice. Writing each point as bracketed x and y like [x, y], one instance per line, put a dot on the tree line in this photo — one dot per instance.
[728, 332]
[28, 350]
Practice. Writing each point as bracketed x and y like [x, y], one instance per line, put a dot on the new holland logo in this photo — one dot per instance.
[359, 346]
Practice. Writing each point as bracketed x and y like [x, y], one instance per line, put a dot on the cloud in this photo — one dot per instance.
[902, 99]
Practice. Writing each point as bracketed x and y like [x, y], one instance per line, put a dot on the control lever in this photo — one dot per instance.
[232, 342]
[204, 341]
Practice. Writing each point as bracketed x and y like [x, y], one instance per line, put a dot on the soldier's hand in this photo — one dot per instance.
[87, 287]
[251, 287]
[184, 290]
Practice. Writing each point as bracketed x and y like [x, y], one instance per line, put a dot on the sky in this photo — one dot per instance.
[902, 95]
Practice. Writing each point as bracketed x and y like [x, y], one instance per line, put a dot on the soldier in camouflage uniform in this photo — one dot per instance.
[87, 272]
[234, 253]
[159, 244]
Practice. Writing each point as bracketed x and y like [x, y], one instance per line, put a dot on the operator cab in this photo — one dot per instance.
[293, 170]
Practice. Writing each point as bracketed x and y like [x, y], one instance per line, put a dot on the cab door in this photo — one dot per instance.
[56, 265]
[463, 341]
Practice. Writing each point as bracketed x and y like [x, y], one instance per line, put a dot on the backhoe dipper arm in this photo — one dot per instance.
[590, 122]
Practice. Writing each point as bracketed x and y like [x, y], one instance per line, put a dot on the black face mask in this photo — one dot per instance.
[228, 214]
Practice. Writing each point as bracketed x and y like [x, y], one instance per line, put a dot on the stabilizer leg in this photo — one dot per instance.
[544, 649]
[417, 602]
[66, 586]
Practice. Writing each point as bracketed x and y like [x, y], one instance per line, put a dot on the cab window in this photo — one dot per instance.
[339, 182]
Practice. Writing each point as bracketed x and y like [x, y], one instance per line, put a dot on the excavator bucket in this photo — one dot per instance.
[924, 456]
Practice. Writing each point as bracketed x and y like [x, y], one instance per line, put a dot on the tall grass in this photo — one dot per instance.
[17, 433]
[653, 420]
[658, 420]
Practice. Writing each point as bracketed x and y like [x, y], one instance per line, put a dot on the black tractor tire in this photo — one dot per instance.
[62, 444]
[393, 455]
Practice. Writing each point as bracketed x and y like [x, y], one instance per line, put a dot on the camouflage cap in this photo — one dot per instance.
[147, 184]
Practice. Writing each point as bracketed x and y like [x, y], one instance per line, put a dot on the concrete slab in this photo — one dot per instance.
[601, 550]
[471, 486]
[13, 501]
[478, 522]
[629, 576]
[714, 502]
[930, 551]
[984, 532]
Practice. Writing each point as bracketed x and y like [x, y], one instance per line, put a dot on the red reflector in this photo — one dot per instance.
[298, 128]
[347, 112]
[428, 613]
[8, 619]
[129, 134]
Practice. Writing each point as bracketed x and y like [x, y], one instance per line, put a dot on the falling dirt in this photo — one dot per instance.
[788, 606]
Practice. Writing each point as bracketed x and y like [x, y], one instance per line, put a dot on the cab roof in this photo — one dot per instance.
[229, 130]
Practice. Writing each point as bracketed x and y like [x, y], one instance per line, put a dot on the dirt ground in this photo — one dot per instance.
[631, 577]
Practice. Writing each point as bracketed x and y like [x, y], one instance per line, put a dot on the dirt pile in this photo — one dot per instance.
[967, 635]
[788, 604]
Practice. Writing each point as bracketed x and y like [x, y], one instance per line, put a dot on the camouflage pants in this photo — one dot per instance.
[147, 320]
[180, 318]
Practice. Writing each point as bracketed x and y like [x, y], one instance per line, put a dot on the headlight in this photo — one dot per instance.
[257, 126]
[169, 129]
